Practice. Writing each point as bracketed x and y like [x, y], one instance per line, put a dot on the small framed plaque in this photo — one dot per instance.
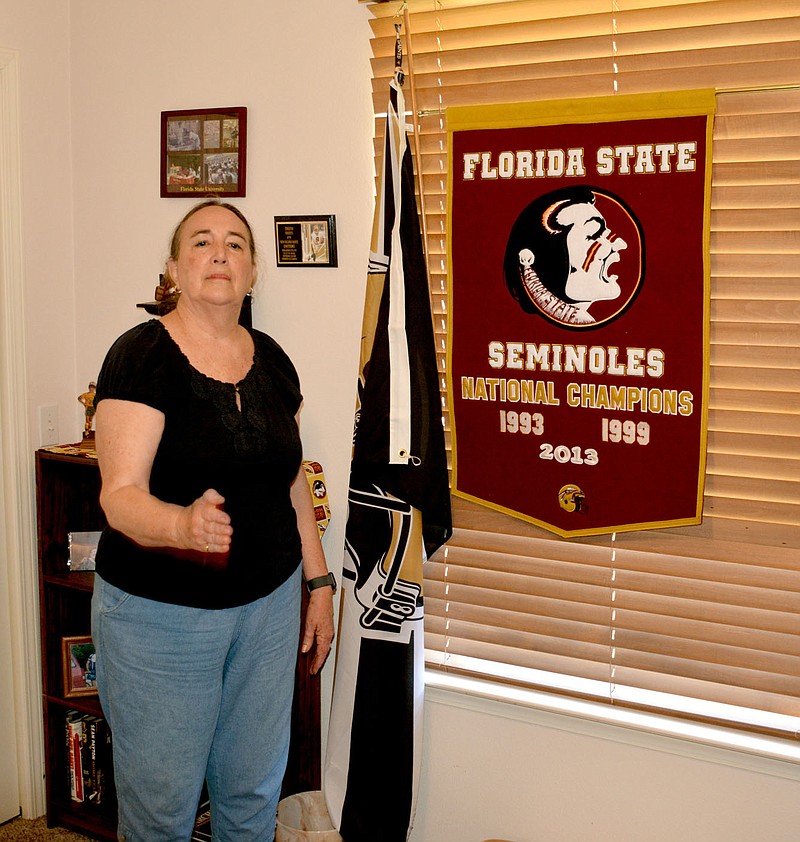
[306, 240]
[203, 152]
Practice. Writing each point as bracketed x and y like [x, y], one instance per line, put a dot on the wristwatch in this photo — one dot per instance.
[322, 582]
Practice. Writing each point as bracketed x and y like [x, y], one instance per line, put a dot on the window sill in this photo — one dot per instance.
[727, 746]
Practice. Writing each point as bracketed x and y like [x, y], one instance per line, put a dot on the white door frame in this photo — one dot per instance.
[16, 456]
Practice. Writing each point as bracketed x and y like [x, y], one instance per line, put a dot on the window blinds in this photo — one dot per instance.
[699, 621]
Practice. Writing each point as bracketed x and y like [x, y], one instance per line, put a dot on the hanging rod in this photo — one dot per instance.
[758, 89]
[430, 112]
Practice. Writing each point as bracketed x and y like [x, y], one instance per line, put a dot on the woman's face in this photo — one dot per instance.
[593, 249]
[214, 263]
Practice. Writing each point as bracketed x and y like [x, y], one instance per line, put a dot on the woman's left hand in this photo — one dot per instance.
[318, 632]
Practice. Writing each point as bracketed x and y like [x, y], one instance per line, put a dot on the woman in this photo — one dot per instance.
[196, 609]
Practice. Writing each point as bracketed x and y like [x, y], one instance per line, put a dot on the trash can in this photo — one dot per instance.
[304, 818]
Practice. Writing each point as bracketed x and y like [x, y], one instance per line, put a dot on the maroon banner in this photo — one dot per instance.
[578, 355]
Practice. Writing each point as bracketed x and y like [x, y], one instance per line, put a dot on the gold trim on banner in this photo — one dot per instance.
[589, 110]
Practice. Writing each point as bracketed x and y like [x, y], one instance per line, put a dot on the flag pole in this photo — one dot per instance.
[417, 150]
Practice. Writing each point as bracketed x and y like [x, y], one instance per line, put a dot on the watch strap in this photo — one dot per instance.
[321, 582]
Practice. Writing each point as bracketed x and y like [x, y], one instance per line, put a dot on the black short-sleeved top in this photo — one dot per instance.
[250, 457]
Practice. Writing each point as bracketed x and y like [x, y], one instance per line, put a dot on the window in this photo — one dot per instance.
[699, 621]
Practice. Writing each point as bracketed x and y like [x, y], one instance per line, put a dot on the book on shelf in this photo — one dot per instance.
[97, 759]
[74, 731]
[89, 757]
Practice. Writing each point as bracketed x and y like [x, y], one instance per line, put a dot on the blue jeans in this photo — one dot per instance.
[193, 695]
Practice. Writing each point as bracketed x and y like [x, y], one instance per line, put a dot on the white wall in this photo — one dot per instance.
[39, 31]
[38, 303]
[95, 77]
[495, 770]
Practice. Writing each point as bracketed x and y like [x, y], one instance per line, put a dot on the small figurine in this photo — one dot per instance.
[166, 297]
[88, 401]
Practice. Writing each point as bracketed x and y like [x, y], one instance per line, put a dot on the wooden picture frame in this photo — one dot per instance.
[204, 153]
[306, 240]
[79, 673]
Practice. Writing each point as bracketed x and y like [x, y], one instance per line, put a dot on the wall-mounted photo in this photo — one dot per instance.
[306, 240]
[79, 666]
[203, 151]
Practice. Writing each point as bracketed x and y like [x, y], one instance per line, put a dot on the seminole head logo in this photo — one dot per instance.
[576, 257]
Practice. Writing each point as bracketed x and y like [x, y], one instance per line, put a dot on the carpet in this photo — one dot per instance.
[36, 830]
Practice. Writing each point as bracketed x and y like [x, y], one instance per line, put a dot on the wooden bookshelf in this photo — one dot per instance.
[67, 491]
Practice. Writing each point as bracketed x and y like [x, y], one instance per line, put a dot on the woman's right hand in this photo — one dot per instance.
[205, 526]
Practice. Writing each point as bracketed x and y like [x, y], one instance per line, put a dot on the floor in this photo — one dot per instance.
[36, 830]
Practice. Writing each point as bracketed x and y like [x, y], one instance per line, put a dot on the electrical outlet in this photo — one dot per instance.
[48, 425]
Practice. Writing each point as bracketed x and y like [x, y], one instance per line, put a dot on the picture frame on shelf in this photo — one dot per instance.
[82, 547]
[204, 152]
[78, 666]
[306, 240]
